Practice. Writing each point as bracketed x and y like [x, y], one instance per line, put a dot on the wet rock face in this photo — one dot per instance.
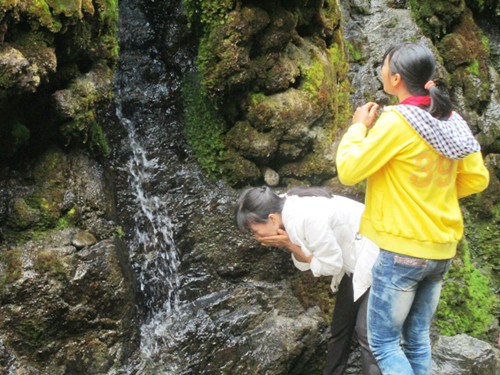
[66, 309]
[57, 190]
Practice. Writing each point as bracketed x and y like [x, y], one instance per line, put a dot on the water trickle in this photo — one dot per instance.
[142, 92]
[152, 246]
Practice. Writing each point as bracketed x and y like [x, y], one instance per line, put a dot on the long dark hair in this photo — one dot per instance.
[416, 64]
[256, 203]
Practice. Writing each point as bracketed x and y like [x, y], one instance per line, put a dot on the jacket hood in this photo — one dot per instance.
[451, 137]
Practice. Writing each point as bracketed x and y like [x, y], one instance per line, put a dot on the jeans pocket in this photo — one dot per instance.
[398, 271]
[407, 272]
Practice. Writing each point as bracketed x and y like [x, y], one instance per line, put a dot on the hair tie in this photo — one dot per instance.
[429, 85]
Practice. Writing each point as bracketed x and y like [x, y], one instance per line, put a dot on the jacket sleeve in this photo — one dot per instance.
[472, 175]
[321, 243]
[362, 153]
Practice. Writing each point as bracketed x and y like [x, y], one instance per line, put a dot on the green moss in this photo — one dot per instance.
[98, 141]
[355, 52]
[312, 76]
[314, 291]
[341, 102]
[84, 126]
[467, 300]
[32, 332]
[257, 98]
[436, 17]
[39, 14]
[332, 13]
[62, 222]
[482, 231]
[10, 267]
[86, 34]
[473, 68]
[14, 135]
[119, 231]
[204, 127]
[207, 12]
[49, 262]
[486, 44]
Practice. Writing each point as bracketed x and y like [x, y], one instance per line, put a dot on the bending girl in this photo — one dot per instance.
[321, 232]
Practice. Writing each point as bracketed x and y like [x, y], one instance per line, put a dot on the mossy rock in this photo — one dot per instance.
[224, 53]
[16, 72]
[436, 17]
[240, 171]
[274, 74]
[251, 143]
[39, 38]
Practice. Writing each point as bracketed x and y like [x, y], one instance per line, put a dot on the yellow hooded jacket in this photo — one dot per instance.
[412, 189]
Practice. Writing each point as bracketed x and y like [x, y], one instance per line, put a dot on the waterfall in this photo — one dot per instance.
[152, 246]
[142, 91]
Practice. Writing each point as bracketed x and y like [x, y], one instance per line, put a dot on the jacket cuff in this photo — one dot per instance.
[303, 266]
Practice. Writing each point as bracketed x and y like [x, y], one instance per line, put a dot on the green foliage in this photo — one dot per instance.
[207, 12]
[467, 300]
[204, 127]
[483, 5]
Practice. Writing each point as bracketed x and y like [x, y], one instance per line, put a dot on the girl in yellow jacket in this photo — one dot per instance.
[419, 157]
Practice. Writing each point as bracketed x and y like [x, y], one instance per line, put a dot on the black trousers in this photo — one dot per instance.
[348, 316]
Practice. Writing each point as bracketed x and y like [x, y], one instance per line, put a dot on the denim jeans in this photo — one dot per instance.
[403, 298]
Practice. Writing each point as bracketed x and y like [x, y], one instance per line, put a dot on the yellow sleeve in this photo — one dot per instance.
[361, 153]
[472, 175]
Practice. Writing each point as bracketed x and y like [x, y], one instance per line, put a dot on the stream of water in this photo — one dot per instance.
[152, 249]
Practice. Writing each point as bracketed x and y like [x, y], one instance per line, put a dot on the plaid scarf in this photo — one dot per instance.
[451, 137]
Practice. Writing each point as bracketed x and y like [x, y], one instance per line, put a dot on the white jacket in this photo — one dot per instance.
[327, 229]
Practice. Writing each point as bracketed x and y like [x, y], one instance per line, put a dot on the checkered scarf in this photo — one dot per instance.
[451, 137]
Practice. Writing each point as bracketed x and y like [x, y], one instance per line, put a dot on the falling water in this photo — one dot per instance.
[152, 242]
[143, 107]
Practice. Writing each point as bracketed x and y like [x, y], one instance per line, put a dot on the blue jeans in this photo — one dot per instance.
[403, 298]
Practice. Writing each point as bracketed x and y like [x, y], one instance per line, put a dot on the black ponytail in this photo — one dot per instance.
[441, 106]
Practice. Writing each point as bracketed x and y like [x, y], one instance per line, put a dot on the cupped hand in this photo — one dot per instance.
[366, 114]
[281, 239]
